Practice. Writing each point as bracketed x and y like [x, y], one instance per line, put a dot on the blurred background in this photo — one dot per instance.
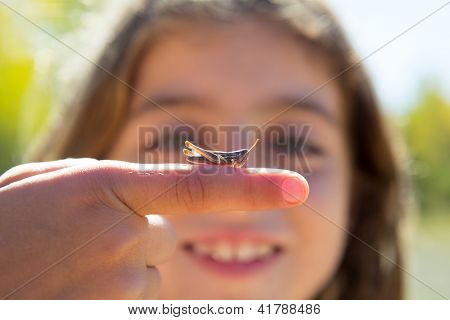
[411, 75]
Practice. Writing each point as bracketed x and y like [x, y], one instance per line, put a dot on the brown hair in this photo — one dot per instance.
[94, 120]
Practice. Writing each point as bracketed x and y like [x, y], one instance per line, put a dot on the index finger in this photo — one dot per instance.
[177, 189]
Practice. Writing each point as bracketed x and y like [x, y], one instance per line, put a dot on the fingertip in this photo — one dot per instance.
[295, 189]
[294, 186]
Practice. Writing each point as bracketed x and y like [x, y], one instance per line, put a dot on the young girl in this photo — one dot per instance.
[74, 228]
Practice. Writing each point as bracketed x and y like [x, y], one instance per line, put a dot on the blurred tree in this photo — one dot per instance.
[27, 89]
[16, 69]
[427, 133]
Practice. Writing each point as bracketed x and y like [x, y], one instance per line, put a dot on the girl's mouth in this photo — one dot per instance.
[233, 256]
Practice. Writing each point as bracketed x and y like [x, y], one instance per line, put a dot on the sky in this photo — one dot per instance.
[421, 54]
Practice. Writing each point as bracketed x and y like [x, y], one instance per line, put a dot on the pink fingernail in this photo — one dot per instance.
[293, 191]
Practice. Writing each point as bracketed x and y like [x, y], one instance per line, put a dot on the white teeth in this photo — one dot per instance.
[223, 252]
[246, 252]
[226, 252]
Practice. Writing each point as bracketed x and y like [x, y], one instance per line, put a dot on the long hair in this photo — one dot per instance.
[94, 119]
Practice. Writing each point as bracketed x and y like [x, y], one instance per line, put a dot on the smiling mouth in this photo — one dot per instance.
[233, 257]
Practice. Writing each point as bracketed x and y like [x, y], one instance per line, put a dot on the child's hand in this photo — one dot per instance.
[76, 228]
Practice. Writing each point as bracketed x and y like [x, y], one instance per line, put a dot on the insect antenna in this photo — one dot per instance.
[254, 144]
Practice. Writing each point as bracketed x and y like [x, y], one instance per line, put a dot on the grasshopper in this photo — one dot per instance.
[237, 159]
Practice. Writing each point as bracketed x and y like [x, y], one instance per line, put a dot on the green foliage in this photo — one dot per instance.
[427, 132]
[16, 69]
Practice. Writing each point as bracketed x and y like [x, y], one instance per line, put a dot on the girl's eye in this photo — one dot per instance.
[297, 146]
[311, 148]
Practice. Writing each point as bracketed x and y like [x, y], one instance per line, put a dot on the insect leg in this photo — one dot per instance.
[210, 156]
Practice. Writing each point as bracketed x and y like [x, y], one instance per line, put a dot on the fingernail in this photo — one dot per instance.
[293, 191]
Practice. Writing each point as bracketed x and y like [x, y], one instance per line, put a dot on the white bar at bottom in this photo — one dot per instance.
[230, 309]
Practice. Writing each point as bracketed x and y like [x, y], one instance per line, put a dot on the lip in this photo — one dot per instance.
[234, 237]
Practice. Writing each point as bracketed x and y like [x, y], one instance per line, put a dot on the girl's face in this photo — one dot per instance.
[238, 74]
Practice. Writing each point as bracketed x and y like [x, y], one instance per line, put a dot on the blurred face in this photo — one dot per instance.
[240, 74]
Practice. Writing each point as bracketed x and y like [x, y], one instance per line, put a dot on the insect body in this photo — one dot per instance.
[197, 155]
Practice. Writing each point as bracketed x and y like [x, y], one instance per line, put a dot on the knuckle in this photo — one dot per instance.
[161, 240]
[131, 282]
[118, 246]
[153, 284]
[13, 174]
[88, 177]
[136, 283]
[97, 180]
[190, 192]
[97, 173]
[127, 238]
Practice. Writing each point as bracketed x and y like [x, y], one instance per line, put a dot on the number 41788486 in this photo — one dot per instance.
[284, 308]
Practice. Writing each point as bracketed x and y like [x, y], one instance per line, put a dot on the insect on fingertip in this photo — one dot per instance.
[236, 159]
